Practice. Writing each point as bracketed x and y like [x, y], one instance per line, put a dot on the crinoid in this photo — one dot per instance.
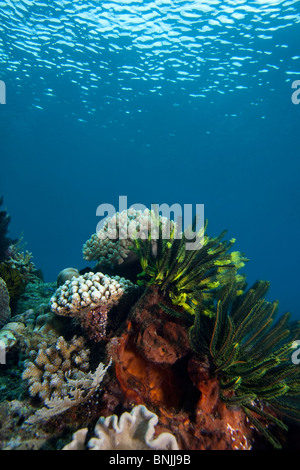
[250, 354]
[175, 270]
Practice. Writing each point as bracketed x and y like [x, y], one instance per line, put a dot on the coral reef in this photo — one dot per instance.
[89, 298]
[13, 434]
[4, 303]
[15, 281]
[16, 266]
[21, 259]
[131, 431]
[18, 271]
[52, 366]
[19, 337]
[197, 360]
[111, 245]
[36, 296]
[76, 391]
[60, 375]
[149, 365]
[29, 329]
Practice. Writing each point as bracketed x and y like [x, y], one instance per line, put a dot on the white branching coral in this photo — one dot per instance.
[132, 431]
[89, 298]
[110, 246]
[51, 368]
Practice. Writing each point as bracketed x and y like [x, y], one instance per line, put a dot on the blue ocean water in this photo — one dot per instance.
[164, 101]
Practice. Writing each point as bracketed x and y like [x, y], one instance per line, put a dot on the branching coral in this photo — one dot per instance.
[52, 367]
[89, 298]
[131, 431]
[250, 355]
[78, 391]
[59, 374]
[4, 303]
[111, 245]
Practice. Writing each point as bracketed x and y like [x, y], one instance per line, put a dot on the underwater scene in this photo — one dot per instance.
[149, 218]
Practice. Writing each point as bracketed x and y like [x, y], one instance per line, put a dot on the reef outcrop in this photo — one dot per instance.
[4, 303]
[155, 366]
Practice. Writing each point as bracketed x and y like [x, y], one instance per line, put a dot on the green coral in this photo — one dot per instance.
[250, 353]
[177, 271]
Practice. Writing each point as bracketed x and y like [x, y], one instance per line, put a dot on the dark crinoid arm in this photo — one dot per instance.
[250, 353]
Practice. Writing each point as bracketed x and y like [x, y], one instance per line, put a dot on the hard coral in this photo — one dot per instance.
[111, 245]
[131, 431]
[51, 365]
[76, 391]
[89, 298]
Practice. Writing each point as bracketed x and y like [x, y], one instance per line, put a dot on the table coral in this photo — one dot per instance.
[89, 298]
